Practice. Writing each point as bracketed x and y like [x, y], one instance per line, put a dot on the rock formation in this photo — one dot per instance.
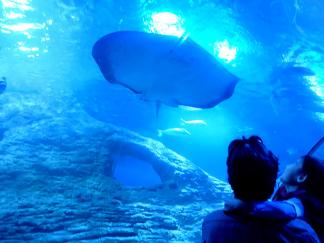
[57, 175]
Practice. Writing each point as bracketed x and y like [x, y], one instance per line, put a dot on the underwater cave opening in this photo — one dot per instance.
[134, 172]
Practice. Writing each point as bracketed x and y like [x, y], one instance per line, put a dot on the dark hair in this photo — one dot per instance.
[314, 169]
[252, 169]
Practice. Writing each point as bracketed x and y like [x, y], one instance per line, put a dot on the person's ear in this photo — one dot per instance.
[301, 178]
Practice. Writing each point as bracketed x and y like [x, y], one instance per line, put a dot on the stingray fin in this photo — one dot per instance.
[132, 59]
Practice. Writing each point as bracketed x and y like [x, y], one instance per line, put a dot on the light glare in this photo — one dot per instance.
[315, 86]
[12, 15]
[166, 23]
[23, 27]
[224, 51]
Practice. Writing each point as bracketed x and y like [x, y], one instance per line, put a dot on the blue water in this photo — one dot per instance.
[46, 48]
[128, 168]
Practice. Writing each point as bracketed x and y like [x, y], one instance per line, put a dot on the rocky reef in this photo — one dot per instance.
[58, 179]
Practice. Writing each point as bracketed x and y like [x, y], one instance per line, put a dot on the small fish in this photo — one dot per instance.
[174, 132]
[189, 108]
[3, 84]
[193, 122]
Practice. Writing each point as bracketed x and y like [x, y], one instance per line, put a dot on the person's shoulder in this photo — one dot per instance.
[215, 216]
[299, 225]
[301, 230]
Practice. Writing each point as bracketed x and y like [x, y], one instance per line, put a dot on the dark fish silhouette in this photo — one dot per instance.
[165, 69]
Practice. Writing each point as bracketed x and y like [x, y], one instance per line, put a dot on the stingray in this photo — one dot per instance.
[164, 69]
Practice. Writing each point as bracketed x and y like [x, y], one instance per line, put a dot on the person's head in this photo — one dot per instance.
[252, 169]
[306, 173]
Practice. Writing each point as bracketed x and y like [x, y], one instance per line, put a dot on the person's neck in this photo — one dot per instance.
[291, 188]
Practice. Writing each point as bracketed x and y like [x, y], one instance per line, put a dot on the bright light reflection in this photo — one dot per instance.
[166, 23]
[315, 86]
[8, 4]
[5, 31]
[28, 49]
[23, 27]
[17, 4]
[12, 15]
[14, 12]
[224, 51]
